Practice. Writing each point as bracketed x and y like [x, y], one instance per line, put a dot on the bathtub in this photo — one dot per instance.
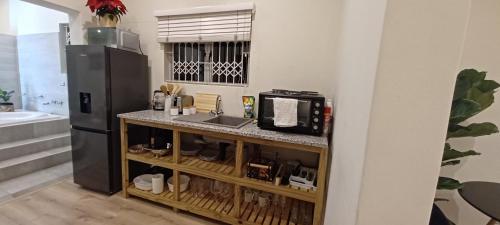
[22, 117]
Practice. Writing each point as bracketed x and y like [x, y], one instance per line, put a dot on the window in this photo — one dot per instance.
[207, 44]
[214, 62]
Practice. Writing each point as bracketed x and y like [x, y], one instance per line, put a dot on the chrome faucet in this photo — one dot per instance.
[218, 109]
[216, 112]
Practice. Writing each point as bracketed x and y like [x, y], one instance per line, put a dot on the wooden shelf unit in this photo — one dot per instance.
[229, 171]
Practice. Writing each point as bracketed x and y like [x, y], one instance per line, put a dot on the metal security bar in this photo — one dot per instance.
[215, 62]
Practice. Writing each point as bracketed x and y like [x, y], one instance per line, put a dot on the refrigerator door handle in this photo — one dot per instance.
[91, 130]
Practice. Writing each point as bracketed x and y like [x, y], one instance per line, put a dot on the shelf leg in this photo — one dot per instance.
[320, 200]
[239, 158]
[177, 191]
[124, 148]
[237, 201]
[177, 146]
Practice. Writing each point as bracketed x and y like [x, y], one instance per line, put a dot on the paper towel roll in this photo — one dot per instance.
[158, 183]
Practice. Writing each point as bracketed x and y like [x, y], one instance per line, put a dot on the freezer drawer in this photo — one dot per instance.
[92, 166]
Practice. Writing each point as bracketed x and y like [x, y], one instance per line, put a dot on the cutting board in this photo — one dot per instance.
[205, 102]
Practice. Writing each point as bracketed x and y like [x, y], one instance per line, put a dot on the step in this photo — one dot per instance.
[33, 130]
[34, 145]
[33, 162]
[15, 187]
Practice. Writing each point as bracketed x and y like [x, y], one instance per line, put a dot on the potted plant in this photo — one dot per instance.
[473, 94]
[5, 105]
[108, 11]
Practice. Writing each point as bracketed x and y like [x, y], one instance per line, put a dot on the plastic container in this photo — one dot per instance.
[184, 179]
[144, 182]
[174, 111]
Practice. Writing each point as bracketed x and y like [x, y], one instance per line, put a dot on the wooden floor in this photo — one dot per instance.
[65, 203]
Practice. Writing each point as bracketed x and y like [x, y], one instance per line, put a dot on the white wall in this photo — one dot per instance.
[481, 51]
[33, 19]
[7, 25]
[292, 46]
[356, 66]
[402, 137]
[399, 145]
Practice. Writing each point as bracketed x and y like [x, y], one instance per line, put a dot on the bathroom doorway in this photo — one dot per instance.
[42, 34]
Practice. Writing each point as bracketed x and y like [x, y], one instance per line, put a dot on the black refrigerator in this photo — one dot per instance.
[102, 82]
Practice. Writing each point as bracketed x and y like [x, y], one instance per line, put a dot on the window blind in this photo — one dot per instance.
[206, 24]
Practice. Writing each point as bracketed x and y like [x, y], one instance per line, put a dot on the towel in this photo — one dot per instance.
[285, 112]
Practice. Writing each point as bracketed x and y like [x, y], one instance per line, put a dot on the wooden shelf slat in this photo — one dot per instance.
[232, 170]
[224, 173]
[209, 206]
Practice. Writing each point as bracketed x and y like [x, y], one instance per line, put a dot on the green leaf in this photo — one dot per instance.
[463, 109]
[465, 80]
[450, 163]
[472, 130]
[446, 183]
[488, 85]
[485, 99]
[450, 153]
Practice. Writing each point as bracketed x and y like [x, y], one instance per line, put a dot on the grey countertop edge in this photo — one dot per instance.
[250, 130]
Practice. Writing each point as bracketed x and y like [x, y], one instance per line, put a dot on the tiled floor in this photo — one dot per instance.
[15, 187]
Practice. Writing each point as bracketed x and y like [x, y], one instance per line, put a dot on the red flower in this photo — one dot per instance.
[115, 7]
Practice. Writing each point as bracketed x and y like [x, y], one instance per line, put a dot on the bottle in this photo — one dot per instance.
[179, 104]
[328, 116]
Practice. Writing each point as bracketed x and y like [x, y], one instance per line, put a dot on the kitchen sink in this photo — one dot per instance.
[228, 121]
[221, 120]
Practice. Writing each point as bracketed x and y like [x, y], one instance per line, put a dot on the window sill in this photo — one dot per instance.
[207, 83]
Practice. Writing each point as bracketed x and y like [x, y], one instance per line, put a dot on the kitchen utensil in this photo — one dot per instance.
[179, 89]
[159, 152]
[184, 179]
[167, 88]
[158, 100]
[195, 186]
[248, 195]
[168, 103]
[144, 182]
[164, 89]
[137, 149]
[158, 183]
[206, 102]
[190, 150]
[176, 89]
[227, 191]
[209, 155]
[217, 188]
[174, 111]
[264, 199]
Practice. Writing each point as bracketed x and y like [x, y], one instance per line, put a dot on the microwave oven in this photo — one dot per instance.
[310, 107]
[114, 38]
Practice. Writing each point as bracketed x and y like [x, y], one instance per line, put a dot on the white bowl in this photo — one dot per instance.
[144, 182]
[183, 186]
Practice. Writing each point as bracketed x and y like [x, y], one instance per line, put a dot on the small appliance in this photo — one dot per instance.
[114, 38]
[158, 100]
[310, 107]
